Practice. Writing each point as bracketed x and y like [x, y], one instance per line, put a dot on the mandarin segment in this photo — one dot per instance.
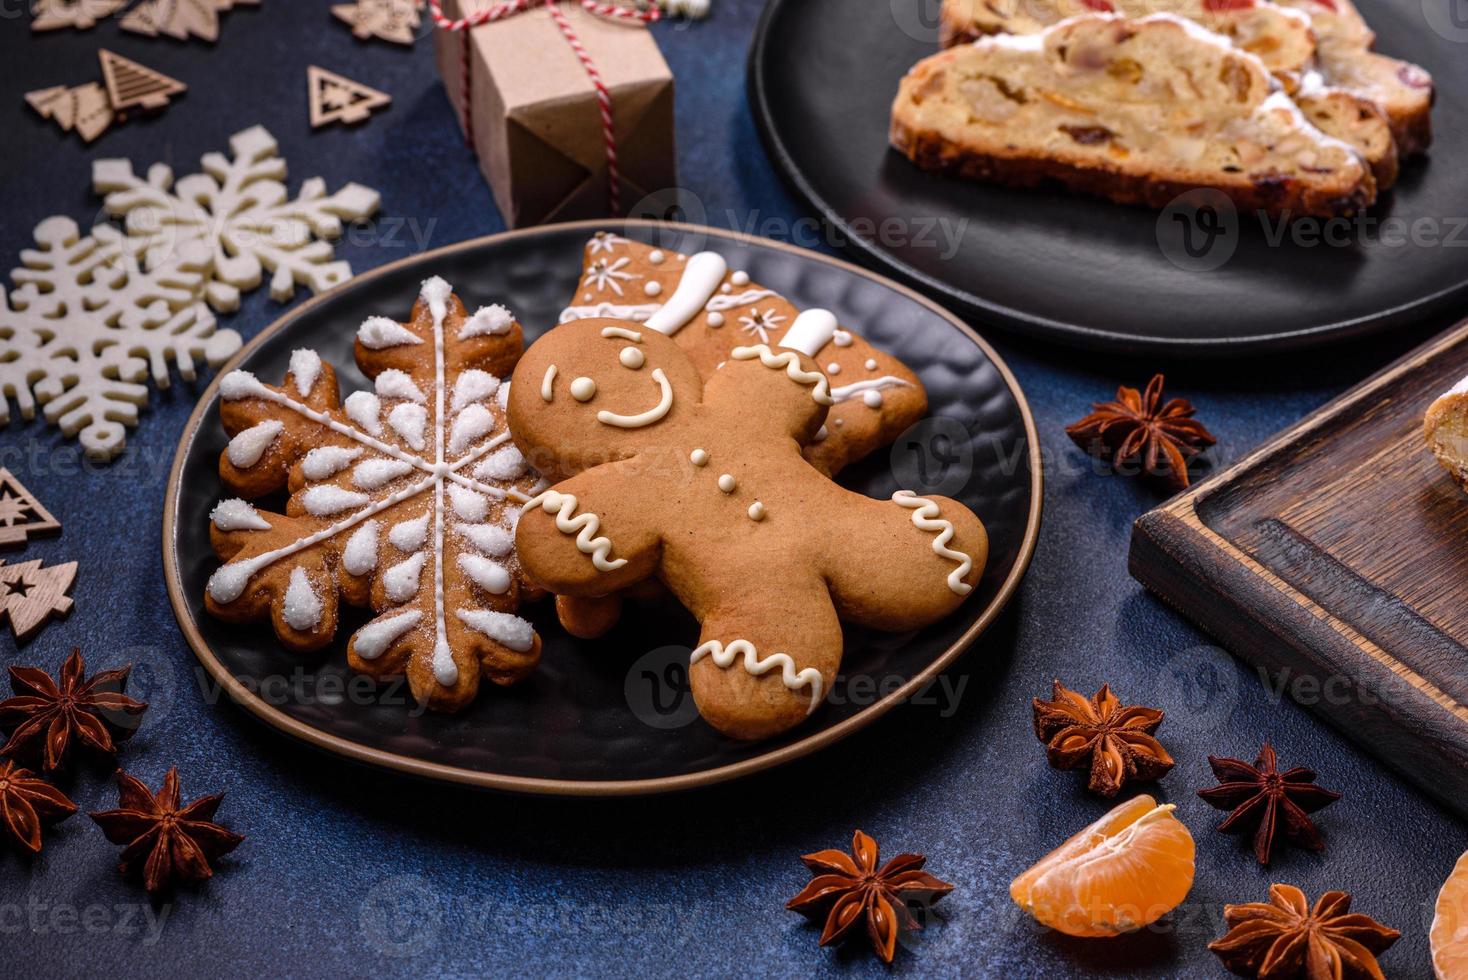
[1123, 872]
[1449, 933]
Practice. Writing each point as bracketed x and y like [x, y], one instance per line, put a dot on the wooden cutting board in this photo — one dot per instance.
[1335, 558]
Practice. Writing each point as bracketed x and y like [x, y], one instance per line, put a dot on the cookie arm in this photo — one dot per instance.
[572, 540]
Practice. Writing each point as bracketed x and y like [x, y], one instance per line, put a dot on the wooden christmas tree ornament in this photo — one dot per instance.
[337, 99]
[130, 85]
[21, 515]
[390, 20]
[30, 594]
[180, 19]
[51, 15]
[84, 108]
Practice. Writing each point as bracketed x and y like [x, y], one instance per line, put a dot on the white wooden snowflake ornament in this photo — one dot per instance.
[240, 210]
[403, 498]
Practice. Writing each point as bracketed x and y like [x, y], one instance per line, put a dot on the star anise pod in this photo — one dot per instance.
[1285, 939]
[845, 892]
[1139, 427]
[1262, 798]
[166, 842]
[27, 804]
[46, 716]
[1114, 740]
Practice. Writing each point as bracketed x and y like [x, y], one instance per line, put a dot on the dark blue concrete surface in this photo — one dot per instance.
[351, 872]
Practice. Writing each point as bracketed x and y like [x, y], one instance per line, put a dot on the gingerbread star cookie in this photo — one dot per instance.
[710, 309]
[403, 499]
[701, 484]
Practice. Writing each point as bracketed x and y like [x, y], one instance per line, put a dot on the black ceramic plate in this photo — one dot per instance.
[822, 76]
[612, 716]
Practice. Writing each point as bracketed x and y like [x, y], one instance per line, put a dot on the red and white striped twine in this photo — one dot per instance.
[509, 8]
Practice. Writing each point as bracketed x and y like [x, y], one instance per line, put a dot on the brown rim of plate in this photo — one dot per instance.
[574, 787]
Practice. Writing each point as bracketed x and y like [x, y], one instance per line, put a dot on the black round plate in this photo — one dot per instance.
[822, 77]
[613, 716]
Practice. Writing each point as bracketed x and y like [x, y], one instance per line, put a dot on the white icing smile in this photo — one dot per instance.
[654, 414]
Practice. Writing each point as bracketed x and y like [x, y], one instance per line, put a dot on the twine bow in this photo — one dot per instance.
[509, 8]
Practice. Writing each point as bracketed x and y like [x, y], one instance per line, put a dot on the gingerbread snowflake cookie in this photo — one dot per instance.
[403, 499]
[702, 484]
[710, 309]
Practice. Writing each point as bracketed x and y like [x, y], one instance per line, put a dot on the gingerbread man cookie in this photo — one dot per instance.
[702, 485]
[710, 309]
[403, 499]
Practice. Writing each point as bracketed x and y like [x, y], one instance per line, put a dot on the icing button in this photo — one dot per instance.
[699, 457]
[756, 511]
[726, 483]
[716, 319]
[583, 389]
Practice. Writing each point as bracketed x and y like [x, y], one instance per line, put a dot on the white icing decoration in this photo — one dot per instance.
[740, 278]
[327, 461]
[631, 358]
[604, 241]
[548, 384]
[360, 554]
[502, 397]
[305, 369]
[822, 434]
[724, 658]
[656, 256]
[833, 368]
[410, 421]
[365, 409]
[583, 389]
[325, 500]
[637, 314]
[873, 399]
[246, 448]
[727, 483]
[239, 384]
[621, 333]
[393, 383]
[488, 575]
[654, 414]
[488, 538]
[653, 288]
[864, 388]
[756, 511]
[716, 319]
[373, 640]
[400, 582]
[508, 631]
[473, 386]
[469, 505]
[373, 474]
[724, 301]
[699, 457]
[841, 338]
[237, 515]
[471, 425]
[812, 330]
[502, 464]
[436, 293]
[380, 333]
[925, 516]
[701, 276]
[1458, 389]
[584, 527]
[487, 321]
[609, 275]
[871, 364]
[302, 607]
[409, 536]
[790, 361]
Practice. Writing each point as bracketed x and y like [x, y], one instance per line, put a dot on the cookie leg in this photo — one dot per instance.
[757, 673]
[588, 618]
[908, 561]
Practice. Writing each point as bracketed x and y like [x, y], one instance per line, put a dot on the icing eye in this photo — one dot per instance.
[631, 358]
[583, 389]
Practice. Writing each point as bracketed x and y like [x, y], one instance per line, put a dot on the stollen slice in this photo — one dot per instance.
[1137, 111]
[1446, 430]
[1281, 37]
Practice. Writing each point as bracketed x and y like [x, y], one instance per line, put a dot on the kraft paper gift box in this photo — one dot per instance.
[534, 116]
